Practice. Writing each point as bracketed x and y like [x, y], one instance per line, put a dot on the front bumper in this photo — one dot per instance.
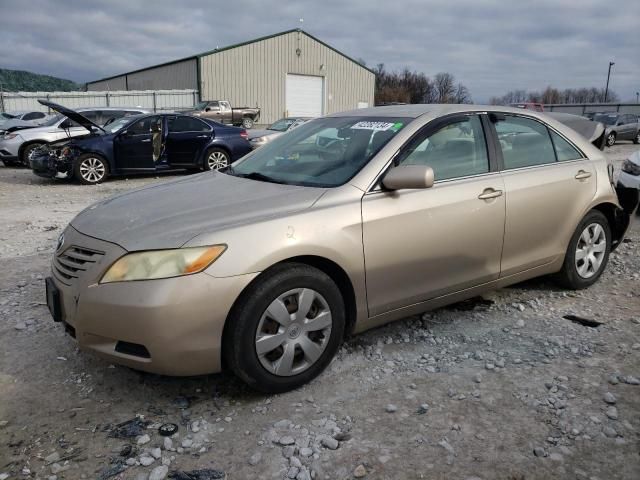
[10, 147]
[628, 180]
[169, 326]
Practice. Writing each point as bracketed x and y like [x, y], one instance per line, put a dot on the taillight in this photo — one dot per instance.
[244, 134]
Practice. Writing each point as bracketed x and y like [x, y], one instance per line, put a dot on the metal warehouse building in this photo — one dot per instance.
[287, 74]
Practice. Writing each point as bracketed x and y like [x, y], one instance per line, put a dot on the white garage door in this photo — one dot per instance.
[305, 95]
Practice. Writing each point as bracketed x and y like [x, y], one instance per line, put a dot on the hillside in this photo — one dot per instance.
[21, 81]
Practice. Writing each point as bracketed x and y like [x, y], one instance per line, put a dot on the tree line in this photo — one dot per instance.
[555, 95]
[409, 86]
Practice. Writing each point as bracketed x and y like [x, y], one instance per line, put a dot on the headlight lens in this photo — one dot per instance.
[10, 136]
[630, 167]
[156, 264]
[259, 140]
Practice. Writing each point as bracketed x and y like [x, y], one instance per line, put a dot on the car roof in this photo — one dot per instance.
[434, 109]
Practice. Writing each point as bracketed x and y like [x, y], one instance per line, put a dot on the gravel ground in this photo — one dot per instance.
[498, 388]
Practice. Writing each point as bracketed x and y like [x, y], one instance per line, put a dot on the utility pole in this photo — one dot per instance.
[637, 97]
[1, 98]
[606, 90]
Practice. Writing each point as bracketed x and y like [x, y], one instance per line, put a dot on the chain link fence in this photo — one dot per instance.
[155, 100]
[582, 108]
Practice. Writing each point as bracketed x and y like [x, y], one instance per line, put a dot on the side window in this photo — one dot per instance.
[141, 127]
[93, 115]
[213, 106]
[187, 124]
[33, 116]
[564, 150]
[524, 142]
[455, 150]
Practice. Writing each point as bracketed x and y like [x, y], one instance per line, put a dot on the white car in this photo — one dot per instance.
[630, 172]
[11, 120]
[258, 138]
[16, 147]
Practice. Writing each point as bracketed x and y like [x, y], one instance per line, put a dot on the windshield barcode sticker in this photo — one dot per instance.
[381, 126]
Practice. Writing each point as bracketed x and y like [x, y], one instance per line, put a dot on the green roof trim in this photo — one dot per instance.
[217, 50]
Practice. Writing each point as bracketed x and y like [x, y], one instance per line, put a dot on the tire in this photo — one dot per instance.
[576, 273]
[216, 158]
[611, 139]
[90, 169]
[247, 122]
[252, 320]
[27, 151]
[636, 140]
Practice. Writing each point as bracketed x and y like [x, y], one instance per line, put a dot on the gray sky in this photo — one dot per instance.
[491, 46]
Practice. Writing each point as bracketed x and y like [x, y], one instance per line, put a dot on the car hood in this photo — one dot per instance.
[261, 133]
[168, 215]
[72, 114]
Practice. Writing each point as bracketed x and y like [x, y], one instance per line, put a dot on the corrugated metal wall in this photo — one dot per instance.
[175, 76]
[160, 100]
[255, 74]
[113, 84]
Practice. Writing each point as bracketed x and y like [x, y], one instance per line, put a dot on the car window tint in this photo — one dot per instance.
[455, 150]
[33, 116]
[564, 150]
[187, 124]
[141, 127]
[524, 143]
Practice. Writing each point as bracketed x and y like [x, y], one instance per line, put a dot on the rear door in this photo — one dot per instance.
[548, 183]
[187, 138]
[422, 244]
[133, 146]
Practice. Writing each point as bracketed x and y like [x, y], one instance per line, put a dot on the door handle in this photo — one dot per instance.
[145, 141]
[490, 193]
[581, 175]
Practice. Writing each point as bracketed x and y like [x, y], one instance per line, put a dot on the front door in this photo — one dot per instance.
[421, 244]
[547, 182]
[186, 140]
[134, 146]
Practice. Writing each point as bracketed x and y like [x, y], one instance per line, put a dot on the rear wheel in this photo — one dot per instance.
[247, 122]
[216, 158]
[28, 151]
[588, 252]
[90, 169]
[285, 329]
[611, 139]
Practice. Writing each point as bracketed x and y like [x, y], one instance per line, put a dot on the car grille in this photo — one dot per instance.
[74, 262]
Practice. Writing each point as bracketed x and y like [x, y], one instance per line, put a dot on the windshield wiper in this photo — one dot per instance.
[258, 176]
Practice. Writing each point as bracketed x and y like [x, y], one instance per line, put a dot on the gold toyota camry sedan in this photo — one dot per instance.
[347, 222]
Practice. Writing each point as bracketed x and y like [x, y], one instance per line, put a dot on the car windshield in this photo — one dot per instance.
[6, 116]
[116, 125]
[326, 152]
[606, 119]
[53, 120]
[282, 125]
[201, 105]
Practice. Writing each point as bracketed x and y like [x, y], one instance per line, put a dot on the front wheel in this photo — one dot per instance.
[247, 122]
[216, 158]
[588, 252]
[611, 139]
[28, 152]
[285, 329]
[90, 169]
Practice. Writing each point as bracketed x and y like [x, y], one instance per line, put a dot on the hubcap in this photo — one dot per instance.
[590, 250]
[293, 332]
[611, 139]
[92, 169]
[217, 160]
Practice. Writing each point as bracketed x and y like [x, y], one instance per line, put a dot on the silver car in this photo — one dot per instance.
[16, 147]
[22, 119]
[257, 138]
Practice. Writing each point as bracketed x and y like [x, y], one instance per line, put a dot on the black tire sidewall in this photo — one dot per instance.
[569, 274]
[76, 168]
[205, 163]
[24, 156]
[239, 338]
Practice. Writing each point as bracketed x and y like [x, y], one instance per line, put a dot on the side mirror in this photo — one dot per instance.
[408, 176]
[208, 109]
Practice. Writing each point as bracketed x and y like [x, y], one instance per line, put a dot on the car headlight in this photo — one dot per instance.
[156, 264]
[10, 136]
[629, 167]
[259, 140]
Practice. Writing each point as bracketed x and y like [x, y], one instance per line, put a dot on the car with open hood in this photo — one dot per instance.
[10, 122]
[16, 147]
[139, 144]
[346, 223]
